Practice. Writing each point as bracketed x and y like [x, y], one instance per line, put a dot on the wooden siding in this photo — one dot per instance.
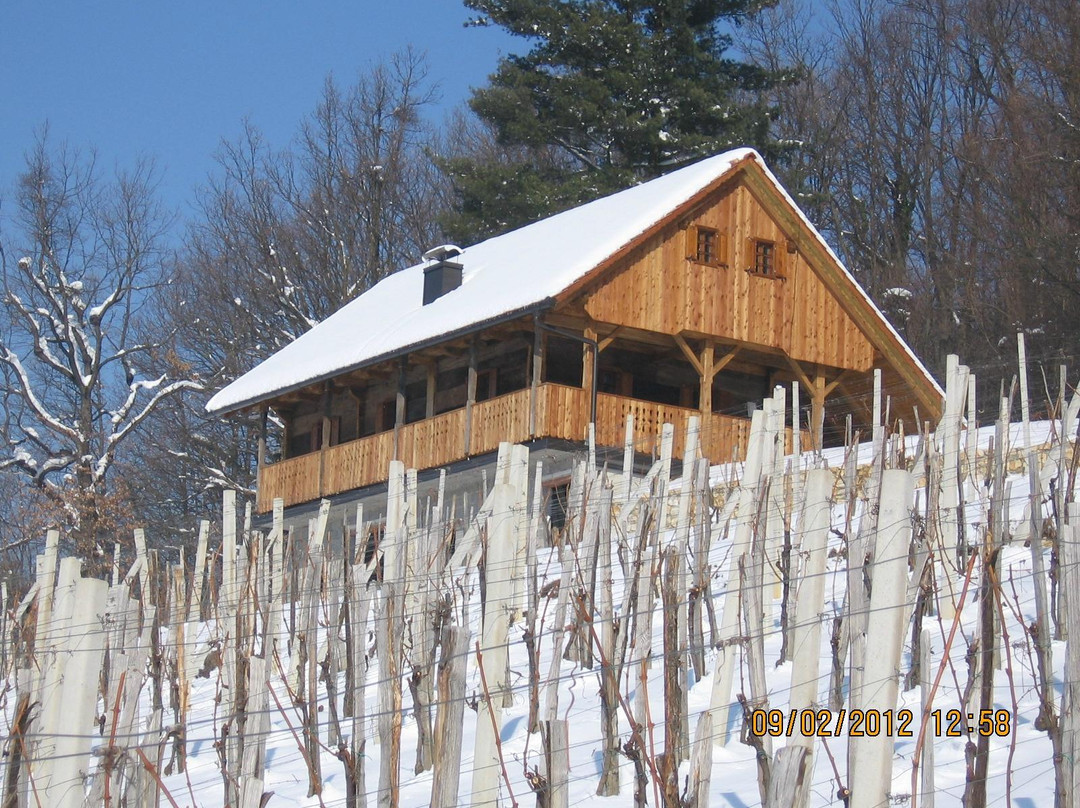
[659, 288]
[426, 444]
[562, 412]
[294, 480]
[721, 434]
[504, 418]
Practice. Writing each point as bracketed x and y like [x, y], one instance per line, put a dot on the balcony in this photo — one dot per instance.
[560, 412]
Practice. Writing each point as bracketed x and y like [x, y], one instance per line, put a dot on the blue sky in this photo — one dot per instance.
[171, 79]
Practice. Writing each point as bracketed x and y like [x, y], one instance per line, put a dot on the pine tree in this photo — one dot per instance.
[612, 92]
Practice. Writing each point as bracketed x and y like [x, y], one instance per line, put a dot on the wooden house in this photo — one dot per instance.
[692, 294]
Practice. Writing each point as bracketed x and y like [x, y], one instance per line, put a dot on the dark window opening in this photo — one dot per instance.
[485, 384]
[661, 393]
[562, 363]
[707, 246]
[608, 381]
[450, 389]
[557, 502]
[415, 401]
[387, 415]
[513, 372]
[303, 443]
[738, 394]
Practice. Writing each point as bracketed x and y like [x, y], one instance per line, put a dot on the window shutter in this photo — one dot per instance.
[722, 256]
[691, 243]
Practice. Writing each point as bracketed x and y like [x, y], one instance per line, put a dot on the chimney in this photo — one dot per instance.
[442, 275]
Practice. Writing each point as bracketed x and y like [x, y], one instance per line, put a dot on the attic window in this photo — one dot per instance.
[706, 245]
[765, 258]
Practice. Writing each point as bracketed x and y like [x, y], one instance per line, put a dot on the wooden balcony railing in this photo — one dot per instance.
[561, 412]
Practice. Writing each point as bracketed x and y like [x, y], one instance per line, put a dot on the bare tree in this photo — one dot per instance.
[939, 151]
[82, 267]
[283, 239]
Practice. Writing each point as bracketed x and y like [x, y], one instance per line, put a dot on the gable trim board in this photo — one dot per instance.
[537, 267]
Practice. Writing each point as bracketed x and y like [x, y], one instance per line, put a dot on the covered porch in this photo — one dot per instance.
[561, 412]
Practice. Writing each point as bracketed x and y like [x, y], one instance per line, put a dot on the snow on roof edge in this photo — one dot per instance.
[645, 205]
[228, 408]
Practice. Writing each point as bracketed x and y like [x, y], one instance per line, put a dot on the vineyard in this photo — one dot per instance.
[892, 622]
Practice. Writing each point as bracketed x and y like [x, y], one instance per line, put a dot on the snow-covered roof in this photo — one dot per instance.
[502, 277]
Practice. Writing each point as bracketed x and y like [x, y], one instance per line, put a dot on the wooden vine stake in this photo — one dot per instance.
[872, 775]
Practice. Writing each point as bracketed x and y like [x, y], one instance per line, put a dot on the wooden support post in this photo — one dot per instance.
[926, 759]
[609, 685]
[674, 678]
[701, 763]
[399, 407]
[558, 763]
[947, 552]
[796, 433]
[1070, 716]
[195, 607]
[705, 397]
[872, 774]
[309, 652]
[817, 413]
[537, 371]
[432, 377]
[588, 365]
[261, 449]
[723, 674]
[470, 397]
[388, 622]
[807, 624]
[227, 590]
[1041, 635]
[789, 784]
[78, 696]
[492, 656]
[358, 606]
[324, 444]
[448, 721]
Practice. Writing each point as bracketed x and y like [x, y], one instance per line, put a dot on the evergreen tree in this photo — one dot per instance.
[612, 92]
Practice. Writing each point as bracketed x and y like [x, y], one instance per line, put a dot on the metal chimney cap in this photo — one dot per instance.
[442, 252]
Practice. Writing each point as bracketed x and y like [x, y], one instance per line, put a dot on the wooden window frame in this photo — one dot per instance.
[777, 256]
[694, 234]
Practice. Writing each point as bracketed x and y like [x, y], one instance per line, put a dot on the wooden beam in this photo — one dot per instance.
[835, 382]
[606, 341]
[689, 354]
[800, 374]
[724, 361]
[858, 401]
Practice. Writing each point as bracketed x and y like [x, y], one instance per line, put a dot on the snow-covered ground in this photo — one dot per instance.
[1020, 762]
